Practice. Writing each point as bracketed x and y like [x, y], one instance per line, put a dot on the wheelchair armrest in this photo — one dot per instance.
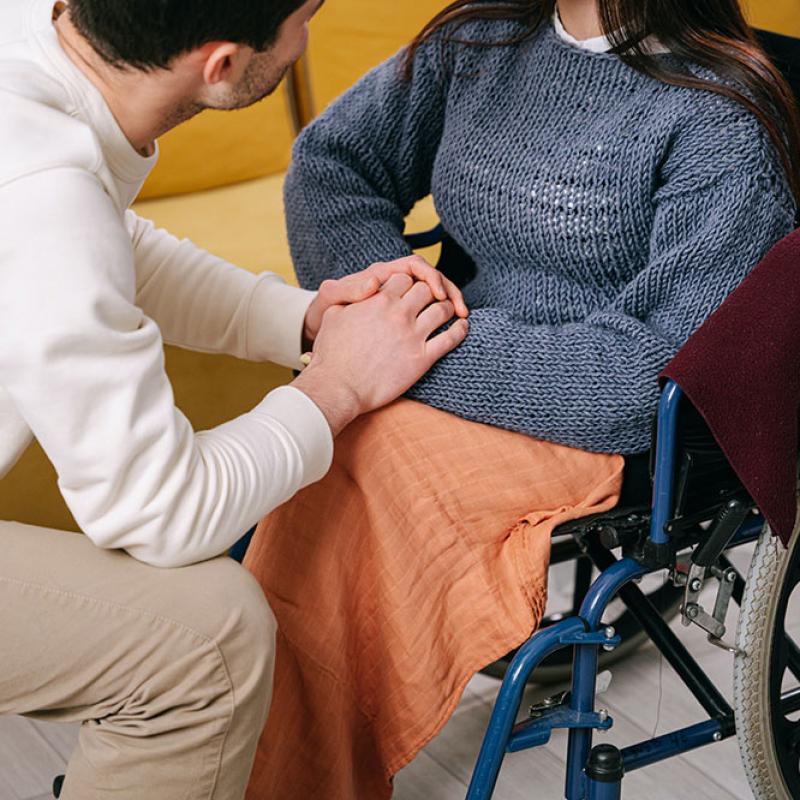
[454, 263]
[416, 241]
[621, 518]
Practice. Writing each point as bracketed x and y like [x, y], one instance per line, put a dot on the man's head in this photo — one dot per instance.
[241, 48]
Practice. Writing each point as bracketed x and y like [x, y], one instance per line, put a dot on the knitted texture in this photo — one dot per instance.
[608, 215]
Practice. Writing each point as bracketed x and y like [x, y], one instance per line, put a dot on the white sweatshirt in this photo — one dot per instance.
[88, 294]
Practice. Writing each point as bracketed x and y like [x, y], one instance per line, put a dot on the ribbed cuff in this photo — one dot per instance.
[275, 321]
[301, 416]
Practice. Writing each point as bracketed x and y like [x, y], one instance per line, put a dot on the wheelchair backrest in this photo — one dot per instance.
[785, 54]
[704, 480]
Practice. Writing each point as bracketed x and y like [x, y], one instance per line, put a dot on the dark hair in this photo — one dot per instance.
[148, 34]
[710, 33]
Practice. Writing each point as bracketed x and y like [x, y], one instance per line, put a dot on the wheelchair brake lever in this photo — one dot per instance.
[693, 612]
[703, 561]
[722, 531]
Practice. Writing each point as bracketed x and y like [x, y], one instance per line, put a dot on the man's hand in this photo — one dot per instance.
[361, 285]
[367, 354]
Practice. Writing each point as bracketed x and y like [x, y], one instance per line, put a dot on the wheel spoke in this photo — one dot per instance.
[790, 702]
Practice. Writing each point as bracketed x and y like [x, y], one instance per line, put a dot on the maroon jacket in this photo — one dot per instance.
[741, 370]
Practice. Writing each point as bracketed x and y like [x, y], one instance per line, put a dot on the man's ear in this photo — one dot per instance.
[225, 62]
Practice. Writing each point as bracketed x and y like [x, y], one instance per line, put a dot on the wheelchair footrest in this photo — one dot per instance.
[537, 731]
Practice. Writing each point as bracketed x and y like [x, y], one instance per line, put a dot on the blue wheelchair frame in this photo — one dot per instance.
[586, 633]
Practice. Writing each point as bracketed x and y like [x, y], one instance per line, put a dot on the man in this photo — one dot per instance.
[169, 669]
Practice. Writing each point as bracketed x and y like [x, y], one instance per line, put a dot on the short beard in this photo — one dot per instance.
[260, 80]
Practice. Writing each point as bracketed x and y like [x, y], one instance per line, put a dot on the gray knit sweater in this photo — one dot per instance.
[608, 215]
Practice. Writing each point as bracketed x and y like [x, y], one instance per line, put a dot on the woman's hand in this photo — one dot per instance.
[362, 285]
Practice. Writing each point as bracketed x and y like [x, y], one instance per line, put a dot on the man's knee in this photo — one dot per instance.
[241, 623]
[224, 604]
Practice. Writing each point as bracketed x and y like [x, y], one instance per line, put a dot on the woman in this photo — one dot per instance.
[614, 171]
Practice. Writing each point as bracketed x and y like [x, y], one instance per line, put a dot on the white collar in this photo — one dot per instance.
[597, 44]
[600, 44]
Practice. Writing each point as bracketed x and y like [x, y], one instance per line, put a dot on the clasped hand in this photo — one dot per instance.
[362, 285]
[374, 335]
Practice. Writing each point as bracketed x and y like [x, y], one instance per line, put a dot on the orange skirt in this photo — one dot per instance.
[420, 558]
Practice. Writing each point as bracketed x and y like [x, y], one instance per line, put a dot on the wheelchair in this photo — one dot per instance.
[697, 512]
[682, 509]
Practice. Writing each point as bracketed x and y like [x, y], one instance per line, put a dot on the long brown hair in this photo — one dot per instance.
[710, 33]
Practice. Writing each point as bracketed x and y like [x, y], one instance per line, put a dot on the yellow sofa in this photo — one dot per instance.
[348, 38]
[778, 16]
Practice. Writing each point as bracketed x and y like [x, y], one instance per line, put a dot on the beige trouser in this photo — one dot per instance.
[170, 671]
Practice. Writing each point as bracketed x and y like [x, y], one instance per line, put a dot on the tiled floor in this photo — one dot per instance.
[32, 753]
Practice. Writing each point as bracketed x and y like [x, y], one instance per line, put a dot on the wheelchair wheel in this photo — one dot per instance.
[767, 671]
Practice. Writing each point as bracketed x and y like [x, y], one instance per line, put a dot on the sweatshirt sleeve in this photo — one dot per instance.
[84, 366]
[592, 383]
[358, 169]
[201, 302]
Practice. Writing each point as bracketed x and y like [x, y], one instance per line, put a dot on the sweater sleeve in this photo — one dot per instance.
[201, 302]
[358, 169]
[592, 383]
[83, 365]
